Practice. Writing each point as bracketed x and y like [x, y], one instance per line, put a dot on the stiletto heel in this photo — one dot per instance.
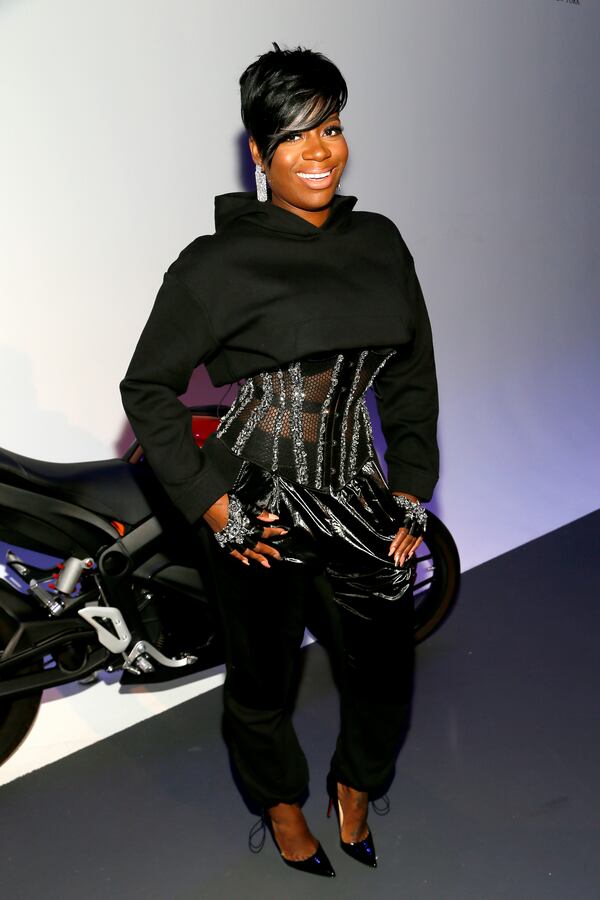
[317, 864]
[362, 851]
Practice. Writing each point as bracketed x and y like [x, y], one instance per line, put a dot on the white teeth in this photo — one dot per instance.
[306, 175]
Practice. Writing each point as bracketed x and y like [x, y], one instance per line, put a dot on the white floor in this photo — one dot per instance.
[74, 716]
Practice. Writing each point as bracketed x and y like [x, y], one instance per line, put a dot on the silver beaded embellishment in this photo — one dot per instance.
[351, 393]
[364, 409]
[367, 421]
[355, 436]
[237, 525]
[278, 420]
[240, 403]
[413, 508]
[276, 495]
[297, 430]
[378, 369]
[323, 419]
[256, 414]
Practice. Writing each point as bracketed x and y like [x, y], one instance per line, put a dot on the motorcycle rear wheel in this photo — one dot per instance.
[437, 580]
[16, 715]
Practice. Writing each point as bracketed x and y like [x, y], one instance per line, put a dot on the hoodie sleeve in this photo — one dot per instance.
[407, 400]
[176, 338]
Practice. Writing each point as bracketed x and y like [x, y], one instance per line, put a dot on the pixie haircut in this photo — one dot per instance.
[286, 91]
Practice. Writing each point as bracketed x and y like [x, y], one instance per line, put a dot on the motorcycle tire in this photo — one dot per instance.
[437, 578]
[16, 715]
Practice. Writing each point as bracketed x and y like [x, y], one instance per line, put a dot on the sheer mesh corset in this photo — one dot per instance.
[307, 420]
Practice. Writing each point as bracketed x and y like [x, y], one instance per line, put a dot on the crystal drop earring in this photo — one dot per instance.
[339, 184]
[261, 183]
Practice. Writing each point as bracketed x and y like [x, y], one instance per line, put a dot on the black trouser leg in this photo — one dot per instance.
[376, 695]
[263, 625]
[370, 611]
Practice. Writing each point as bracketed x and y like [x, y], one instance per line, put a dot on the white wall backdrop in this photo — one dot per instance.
[474, 124]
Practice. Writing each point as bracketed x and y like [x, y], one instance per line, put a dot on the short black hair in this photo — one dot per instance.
[286, 91]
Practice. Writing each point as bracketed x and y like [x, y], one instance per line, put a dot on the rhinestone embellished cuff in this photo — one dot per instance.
[415, 515]
[239, 531]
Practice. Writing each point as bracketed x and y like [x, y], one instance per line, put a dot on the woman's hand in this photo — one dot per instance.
[217, 516]
[404, 544]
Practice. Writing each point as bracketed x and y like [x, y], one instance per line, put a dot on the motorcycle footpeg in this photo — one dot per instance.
[137, 658]
[140, 666]
[159, 674]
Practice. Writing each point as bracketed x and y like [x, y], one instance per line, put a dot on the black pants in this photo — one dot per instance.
[337, 578]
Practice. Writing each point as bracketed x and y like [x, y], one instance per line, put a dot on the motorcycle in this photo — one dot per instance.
[102, 573]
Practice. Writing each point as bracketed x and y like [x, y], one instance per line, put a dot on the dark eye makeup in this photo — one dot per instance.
[338, 128]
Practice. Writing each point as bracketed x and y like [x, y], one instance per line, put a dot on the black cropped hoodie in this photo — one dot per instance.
[266, 289]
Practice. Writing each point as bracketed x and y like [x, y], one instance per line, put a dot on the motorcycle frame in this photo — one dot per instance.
[60, 528]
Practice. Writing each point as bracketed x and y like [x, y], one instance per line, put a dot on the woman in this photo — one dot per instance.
[312, 303]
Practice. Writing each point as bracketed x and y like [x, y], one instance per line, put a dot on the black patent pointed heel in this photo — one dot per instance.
[317, 864]
[362, 851]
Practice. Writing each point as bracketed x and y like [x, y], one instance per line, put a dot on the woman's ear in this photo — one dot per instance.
[254, 151]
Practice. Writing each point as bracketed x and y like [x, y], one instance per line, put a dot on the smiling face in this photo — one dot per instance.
[320, 152]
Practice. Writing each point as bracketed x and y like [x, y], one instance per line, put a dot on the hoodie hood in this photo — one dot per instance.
[276, 289]
[238, 206]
